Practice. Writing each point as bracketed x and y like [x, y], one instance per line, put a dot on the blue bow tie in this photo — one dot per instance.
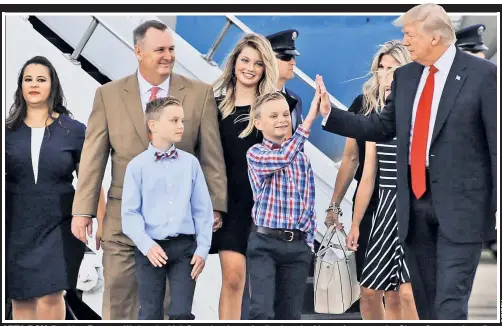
[163, 155]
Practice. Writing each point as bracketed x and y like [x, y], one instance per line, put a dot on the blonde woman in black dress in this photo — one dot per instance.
[250, 71]
[384, 273]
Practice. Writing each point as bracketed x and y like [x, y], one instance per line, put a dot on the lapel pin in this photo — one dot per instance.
[458, 77]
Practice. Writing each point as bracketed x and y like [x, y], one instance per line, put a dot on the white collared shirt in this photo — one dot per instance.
[145, 89]
[443, 64]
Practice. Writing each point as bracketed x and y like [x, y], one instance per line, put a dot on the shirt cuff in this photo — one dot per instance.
[145, 245]
[202, 252]
[84, 215]
[310, 240]
[327, 117]
[302, 131]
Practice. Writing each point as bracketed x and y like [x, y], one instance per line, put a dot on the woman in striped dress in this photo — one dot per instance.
[384, 273]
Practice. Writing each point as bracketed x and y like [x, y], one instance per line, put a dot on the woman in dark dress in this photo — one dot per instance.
[42, 146]
[250, 70]
[384, 272]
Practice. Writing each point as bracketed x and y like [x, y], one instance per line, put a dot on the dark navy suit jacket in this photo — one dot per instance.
[463, 150]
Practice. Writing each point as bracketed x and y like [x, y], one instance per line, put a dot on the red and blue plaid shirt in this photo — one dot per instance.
[283, 185]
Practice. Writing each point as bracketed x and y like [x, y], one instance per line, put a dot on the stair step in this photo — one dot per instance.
[52, 37]
[60, 44]
[64, 47]
[99, 77]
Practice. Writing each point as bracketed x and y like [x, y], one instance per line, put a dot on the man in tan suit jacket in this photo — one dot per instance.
[116, 127]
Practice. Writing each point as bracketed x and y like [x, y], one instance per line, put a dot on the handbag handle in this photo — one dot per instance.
[322, 248]
[332, 230]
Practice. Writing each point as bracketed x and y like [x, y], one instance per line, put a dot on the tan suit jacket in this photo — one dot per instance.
[116, 126]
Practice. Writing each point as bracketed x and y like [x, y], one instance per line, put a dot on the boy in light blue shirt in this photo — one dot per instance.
[167, 213]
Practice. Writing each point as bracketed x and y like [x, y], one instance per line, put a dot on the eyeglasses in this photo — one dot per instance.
[284, 57]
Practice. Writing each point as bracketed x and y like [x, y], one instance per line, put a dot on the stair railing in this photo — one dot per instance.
[231, 20]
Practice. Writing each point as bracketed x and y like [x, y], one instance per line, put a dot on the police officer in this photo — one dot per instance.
[283, 44]
[470, 39]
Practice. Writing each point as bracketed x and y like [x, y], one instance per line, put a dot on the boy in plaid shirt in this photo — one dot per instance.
[281, 242]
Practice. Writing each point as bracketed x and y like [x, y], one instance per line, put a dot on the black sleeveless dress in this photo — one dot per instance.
[357, 107]
[237, 222]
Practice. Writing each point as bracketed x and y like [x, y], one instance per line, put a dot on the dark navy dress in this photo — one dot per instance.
[42, 254]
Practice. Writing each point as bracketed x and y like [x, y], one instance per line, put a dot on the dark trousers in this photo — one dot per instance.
[442, 272]
[246, 298]
[278, 272]
[152, 281]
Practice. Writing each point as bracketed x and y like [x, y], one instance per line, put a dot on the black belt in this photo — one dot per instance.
[281, 234]
[179, 236]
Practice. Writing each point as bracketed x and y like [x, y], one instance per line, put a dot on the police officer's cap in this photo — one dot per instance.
[471, 38]
[284, 42]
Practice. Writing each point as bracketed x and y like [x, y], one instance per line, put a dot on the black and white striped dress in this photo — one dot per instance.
[384, 265]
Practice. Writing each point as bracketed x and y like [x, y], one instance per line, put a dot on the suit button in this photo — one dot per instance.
[434, 180]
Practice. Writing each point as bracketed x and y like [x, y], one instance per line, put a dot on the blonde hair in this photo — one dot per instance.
[434, 18]
[373, 94]
[260, 100]
[155, 108]
[225, 84]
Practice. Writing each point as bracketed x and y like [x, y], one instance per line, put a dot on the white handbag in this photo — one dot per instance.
[335, 279]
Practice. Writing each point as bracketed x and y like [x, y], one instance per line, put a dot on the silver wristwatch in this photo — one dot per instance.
[335, 209]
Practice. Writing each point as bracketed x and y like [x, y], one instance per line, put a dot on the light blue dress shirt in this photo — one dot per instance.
[166, 198]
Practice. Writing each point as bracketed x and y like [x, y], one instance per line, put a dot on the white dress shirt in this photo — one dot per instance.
[443, 64]
[37, 136]
[145, 90]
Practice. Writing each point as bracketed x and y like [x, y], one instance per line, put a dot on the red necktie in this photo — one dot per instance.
[153, 96]
[420, 135]
[154, 90]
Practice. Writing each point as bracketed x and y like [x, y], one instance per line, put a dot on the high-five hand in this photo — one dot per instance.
[314, 108]
[325, 106]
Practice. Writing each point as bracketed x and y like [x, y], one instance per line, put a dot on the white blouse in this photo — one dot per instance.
[37, 136]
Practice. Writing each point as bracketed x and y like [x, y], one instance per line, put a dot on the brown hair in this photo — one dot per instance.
[155, 108]
[56, 100]
[139, 32]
